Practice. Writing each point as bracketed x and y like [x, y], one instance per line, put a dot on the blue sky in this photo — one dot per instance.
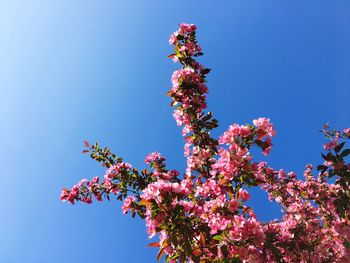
[98, 70]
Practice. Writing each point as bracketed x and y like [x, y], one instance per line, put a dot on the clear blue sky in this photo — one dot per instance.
[97, 70]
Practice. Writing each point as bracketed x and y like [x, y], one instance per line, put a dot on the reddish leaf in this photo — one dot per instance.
[196, 252]
[160, 253]
[201, 239]
[154, 244]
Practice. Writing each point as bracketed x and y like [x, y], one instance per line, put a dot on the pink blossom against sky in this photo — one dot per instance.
[86, 70]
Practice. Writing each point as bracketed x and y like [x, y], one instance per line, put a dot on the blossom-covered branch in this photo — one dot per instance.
[201, 215]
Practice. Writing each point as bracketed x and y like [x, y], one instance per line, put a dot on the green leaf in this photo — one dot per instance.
[206, 71]
[345, 153]
[218, 237]
[324, 156]
[180, 37]
[321, 167]
[339, 147]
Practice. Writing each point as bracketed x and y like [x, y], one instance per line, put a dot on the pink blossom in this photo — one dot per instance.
[331, 145]
[265, 126]
[187, 28]
[347, 131]
[93, 182]
[173, 38]
[243, 195]
[154, 157]
[233, 205]
[202, 215]
[128, 203]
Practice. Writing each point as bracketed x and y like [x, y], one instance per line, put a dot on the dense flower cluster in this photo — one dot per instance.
[202, 215]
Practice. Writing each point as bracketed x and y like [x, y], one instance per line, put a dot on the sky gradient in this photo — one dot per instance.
[98, 71]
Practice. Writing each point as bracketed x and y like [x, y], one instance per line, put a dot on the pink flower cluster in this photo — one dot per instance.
[188, 90]
[347, 132]
[265, 127]
[128, 204]
[202, 215]
[84, 190]
[332, 144]
[184, 39]
[154, 157]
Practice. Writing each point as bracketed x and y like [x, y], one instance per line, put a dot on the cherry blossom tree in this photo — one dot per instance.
[202, 215]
